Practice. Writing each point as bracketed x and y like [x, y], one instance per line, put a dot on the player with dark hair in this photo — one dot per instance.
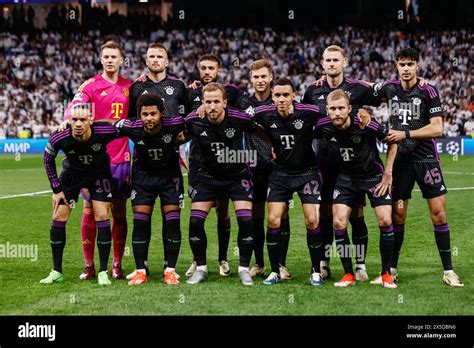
[107, 93]
[361, 172]
[156, 172]
[209, 67]
[360, 94]
[86, 165]
[223, 173]
[416, 117]
[289, 125]
[173, 92]
[261, 76]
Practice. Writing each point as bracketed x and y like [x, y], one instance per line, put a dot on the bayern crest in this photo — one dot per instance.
[167, 138]
[356, 139]
[230, 132]
[96, 146]
[169, 90]
[298, 124]
[416, 101]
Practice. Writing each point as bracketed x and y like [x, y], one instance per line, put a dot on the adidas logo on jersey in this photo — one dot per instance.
[443, 188]
[141, 142]
[273, 125]
[334, 139]
[203, 134]
[71, 152]
[388, 197]
[145, 92]
[395, 98]
[335, 194]
[103, 94]
[197, 99]
[109, 195]
[321, 97]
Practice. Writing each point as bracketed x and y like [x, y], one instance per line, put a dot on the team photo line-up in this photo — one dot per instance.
[253, 149]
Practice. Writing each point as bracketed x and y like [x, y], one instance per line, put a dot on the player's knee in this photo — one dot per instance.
[398, 216]
[274, 221]
[101, 216]
[339, 223]
[59, 217]
[311, 221]
[438, 217]
[385, 221]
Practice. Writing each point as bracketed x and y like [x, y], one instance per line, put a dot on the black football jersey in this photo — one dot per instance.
[155, 153]
[217, 143]
[409, 110]
[360, 93]
[291, 137]
[83, 157]
[248, 103]
[171, 90]
[356, 149]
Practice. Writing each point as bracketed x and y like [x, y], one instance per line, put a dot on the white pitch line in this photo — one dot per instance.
[459, 173]
[454, 189]
[27, 194]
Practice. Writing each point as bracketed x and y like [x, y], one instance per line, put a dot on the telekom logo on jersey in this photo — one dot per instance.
[405, 111]
[288, 141]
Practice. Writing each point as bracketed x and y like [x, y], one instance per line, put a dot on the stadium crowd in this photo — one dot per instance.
[41, 70]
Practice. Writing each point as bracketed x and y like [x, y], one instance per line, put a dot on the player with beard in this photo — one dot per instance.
[360, 94]
[209, 67]
[173, 92]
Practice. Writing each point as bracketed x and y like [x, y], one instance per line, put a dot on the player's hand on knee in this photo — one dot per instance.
[385, 185]
[364, 118]
[56, 200]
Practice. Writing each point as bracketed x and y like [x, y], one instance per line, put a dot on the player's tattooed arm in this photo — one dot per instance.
[385, 186]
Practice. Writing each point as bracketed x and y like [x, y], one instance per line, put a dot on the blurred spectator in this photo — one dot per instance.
[469, 127]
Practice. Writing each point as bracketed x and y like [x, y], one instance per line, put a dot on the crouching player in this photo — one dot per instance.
[361, 172]
[155, 172]
[87, 165]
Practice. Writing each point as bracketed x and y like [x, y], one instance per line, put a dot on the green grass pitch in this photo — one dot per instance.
[26, 220]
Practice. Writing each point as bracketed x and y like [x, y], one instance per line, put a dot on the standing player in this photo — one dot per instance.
[261, 76]
[172, 91]
[417, 118]
[223, 174]
[107, 93]
[86, 165]
[289, 126]
[360, 93]
[360, 172]
[156, 172]
[209, 67]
